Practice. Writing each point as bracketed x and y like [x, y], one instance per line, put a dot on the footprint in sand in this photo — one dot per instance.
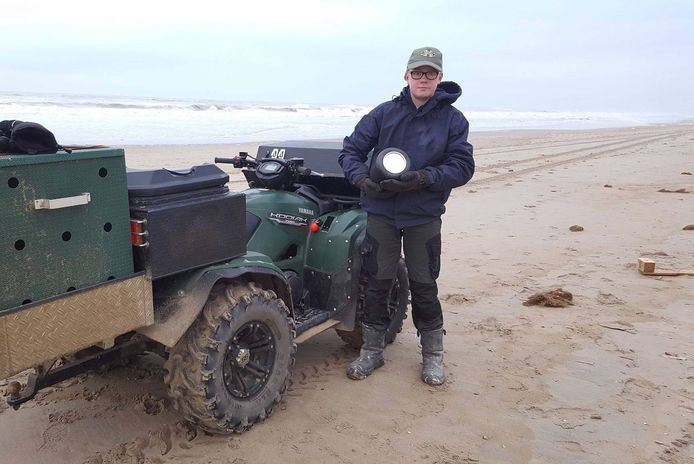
[682, 190]
[609, 299]
[639, 389]
[145, 448]
[455, 298]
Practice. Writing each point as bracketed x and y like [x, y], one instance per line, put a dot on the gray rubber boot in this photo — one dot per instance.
[371, 355]
[432, 357]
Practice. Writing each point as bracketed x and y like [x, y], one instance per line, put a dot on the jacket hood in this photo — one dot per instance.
[446, 92]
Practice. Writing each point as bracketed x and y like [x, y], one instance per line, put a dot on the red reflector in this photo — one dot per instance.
[135, 226]
[314, 227]
[138, 235]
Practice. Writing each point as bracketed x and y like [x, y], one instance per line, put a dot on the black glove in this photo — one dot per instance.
[409, 181]
[371, 189]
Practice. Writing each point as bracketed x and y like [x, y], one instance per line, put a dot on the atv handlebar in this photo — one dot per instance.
[303, 170]
[243, 161]
[224, 160]
[238, 162]
[282, 177]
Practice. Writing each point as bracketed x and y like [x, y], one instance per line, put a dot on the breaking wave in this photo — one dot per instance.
[80, 119]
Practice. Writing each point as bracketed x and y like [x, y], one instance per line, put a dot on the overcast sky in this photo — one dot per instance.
[610, 55]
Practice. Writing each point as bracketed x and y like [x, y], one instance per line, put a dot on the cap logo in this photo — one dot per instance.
[428, 53]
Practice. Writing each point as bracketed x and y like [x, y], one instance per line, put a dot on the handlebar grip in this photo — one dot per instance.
[224, 160]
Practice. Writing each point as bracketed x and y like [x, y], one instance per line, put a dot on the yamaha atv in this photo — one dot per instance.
[304, 221]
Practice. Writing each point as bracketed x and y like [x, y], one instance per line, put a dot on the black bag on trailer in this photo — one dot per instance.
[26, 138]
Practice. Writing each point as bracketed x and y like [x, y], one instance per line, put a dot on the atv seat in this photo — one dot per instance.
[325, 205]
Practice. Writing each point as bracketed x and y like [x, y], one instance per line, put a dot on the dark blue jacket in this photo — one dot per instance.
[435, 138]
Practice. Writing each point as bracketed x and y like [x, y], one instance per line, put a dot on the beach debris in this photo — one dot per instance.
[590, 363]
[621, 326]
[647, 267]
[682, 190]
[675, 356]
[13, 389]
[576, 228]
[557, 298]
[607, 186]
[686, 173]
[688, 227]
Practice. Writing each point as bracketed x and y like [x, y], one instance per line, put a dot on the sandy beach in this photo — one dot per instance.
[607, 379]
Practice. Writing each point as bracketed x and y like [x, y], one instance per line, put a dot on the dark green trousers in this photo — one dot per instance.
[381, 252]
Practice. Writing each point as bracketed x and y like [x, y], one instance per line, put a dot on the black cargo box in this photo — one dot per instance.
[190, 218]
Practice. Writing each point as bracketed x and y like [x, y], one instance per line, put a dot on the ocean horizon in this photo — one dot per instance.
[116, 120]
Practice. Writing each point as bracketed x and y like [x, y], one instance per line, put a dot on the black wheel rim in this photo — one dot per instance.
[249, 360]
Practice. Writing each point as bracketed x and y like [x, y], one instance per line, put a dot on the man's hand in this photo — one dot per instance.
[409, 181]
[370, 188]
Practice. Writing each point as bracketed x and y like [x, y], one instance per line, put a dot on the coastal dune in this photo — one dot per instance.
[605, 377]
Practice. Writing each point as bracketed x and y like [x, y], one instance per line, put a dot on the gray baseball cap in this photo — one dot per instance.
[426, 56]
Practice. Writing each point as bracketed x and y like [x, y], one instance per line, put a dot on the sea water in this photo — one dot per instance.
[83, 119]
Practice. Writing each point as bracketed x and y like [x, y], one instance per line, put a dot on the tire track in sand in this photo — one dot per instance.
[311, 376]
[592, 154]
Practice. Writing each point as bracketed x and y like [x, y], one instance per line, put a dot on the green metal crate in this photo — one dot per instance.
[64, 223]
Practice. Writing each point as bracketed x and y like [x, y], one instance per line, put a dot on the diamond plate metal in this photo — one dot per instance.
[73, 322]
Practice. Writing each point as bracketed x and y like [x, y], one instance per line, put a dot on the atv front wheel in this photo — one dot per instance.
[397, 307]
[233, 365]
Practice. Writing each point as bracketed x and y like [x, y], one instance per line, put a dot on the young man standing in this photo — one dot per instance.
[422, 122]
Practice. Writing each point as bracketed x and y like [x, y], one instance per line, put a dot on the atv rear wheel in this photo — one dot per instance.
[233, 365]
[397, 307]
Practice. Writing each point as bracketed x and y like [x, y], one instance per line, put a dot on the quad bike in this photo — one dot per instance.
[223, 285]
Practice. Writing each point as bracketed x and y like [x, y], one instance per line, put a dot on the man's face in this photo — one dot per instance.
[422, 89]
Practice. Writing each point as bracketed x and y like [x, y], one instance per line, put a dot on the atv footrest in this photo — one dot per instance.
[311, 319]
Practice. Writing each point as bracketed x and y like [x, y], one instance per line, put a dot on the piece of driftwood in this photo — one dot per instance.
[647, 267]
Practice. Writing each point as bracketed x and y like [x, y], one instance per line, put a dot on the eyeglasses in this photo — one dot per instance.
[431, 75]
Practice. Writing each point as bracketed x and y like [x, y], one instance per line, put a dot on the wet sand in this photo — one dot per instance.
[606, 379]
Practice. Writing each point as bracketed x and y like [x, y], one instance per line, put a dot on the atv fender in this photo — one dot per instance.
[333, 264]
[179, 300]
